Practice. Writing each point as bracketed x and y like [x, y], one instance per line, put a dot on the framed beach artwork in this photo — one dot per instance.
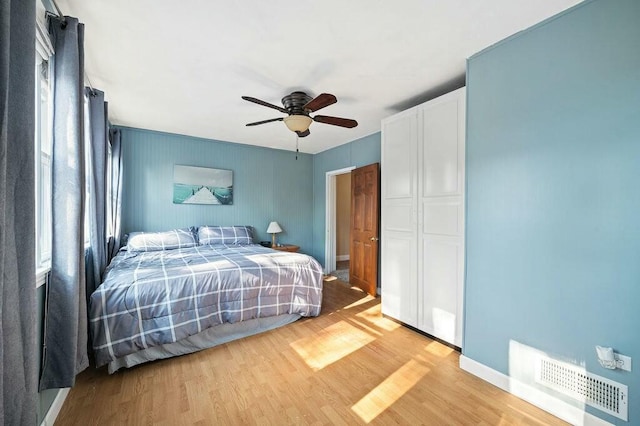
[202, 185]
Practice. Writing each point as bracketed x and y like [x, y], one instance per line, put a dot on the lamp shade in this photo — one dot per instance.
[298, 123]
[274, 228]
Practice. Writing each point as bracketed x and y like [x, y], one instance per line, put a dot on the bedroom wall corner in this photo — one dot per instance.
[358, 153]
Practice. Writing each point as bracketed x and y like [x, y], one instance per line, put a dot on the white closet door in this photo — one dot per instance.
[399, 217]
[441, 217]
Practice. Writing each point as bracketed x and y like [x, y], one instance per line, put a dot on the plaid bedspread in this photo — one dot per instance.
[153, 298]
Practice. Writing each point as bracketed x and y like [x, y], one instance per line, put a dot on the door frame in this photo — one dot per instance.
[330, 218]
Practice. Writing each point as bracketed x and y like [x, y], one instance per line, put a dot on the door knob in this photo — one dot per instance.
[374, 239]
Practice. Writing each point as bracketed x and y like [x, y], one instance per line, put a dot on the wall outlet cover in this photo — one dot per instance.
[623, 361]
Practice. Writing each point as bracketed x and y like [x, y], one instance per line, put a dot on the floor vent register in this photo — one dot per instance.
[599, 392]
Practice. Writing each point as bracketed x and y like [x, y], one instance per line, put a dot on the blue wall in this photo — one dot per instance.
[358, 153]
[268, 185]
[553, 172]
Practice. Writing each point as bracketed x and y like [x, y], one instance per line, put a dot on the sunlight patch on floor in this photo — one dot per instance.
[390, 390]
[331, 344]
[374, 316]
[438, 349]
[359, 302]
[367, 327]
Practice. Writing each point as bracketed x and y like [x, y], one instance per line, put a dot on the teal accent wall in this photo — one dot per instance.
[358, 153]
[268, 185]
[553, 175]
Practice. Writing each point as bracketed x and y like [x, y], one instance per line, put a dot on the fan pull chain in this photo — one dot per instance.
[297, 139]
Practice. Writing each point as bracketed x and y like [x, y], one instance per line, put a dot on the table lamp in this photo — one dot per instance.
[273, 229]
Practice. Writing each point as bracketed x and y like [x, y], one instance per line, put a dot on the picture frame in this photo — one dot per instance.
[202, 185]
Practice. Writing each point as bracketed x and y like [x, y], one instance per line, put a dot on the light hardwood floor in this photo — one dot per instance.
[348, 366]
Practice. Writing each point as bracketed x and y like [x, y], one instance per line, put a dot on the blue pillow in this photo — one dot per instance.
[155, 241]
[227, 235]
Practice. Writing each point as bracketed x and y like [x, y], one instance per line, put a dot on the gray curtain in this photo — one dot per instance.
[96, 144]
[65, 335]
[115, 203]
[18, 350]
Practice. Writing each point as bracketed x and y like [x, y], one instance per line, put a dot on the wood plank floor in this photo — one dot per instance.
[348, 366]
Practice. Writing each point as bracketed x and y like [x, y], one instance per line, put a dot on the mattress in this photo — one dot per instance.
[156, 298]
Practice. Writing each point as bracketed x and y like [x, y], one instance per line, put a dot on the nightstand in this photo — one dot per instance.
[287, 247]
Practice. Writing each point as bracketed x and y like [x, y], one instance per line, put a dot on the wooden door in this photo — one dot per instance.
[365, 214]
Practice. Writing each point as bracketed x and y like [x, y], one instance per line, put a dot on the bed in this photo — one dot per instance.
[168, 294]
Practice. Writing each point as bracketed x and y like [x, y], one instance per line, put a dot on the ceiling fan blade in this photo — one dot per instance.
[263, 103]
[336, 121]
[303, 134]
[320, 101]
[265, 121]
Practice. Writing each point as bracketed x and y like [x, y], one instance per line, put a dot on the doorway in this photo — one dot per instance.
[331, 221]
[343, 226]
[352, 220]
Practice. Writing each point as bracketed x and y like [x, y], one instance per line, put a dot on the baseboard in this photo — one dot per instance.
[55, 408]
[342, 257]
[542, 400]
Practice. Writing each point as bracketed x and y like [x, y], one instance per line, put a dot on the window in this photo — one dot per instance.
[43, 146]
[110, 212]
[87, 182]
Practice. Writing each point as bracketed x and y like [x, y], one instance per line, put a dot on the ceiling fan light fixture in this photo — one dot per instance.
[298, 122]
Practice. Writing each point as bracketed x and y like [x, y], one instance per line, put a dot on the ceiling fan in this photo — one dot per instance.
[297, 106]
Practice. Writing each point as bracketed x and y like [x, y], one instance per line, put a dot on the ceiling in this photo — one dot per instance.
[182, 67]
